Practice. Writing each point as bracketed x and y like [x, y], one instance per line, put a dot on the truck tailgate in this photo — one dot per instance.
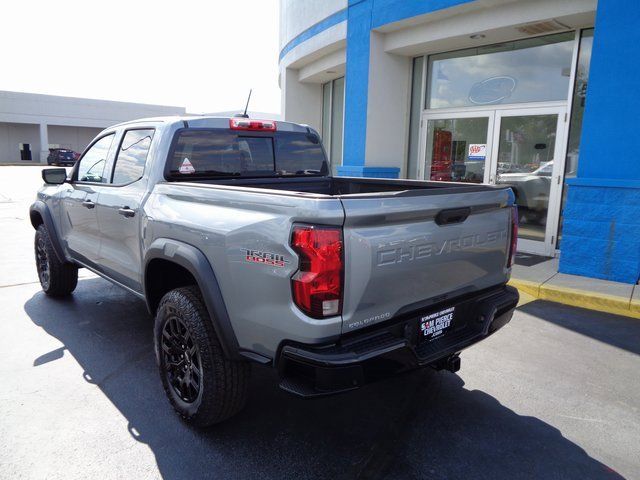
[400, 256]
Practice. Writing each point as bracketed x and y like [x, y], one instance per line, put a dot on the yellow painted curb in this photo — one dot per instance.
[526, 286]
[579, 298]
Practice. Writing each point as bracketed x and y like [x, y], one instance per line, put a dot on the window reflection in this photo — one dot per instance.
[332, 121]
[456, 149]
[525, 163]
[91, 168]
[577, 111]
[132, 156]
[531, 70]
[414, 119]
[337, 116]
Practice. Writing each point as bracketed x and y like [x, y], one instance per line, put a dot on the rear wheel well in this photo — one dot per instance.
[162, 276]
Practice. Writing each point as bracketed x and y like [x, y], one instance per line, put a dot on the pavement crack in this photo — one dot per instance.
[583, 419]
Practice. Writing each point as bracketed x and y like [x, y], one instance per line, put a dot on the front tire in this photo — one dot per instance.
[203, 386]
[57, 278]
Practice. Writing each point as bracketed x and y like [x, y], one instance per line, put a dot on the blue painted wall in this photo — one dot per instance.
[613, 95]
[356, 83]
[601, 231]
[389, 11]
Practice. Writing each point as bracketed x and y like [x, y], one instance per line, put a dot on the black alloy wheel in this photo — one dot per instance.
[42, 263]
[57, 278]
[202, 384]
[183, 365]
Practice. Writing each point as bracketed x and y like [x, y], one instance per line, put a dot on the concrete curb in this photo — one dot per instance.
[579, 298]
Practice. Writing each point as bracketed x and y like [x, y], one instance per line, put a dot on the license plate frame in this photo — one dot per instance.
[436, 325]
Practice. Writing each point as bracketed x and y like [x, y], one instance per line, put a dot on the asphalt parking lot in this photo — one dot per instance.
[555, 394]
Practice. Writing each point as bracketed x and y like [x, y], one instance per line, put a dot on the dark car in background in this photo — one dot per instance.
[62, 156]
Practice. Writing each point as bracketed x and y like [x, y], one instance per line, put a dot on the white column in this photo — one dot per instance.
[387, 107]
[44, 142]
[301, 102]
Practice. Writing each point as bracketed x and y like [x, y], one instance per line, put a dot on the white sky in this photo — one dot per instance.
[202, 55]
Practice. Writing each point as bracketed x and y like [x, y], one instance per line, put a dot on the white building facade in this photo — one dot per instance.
[30, 123]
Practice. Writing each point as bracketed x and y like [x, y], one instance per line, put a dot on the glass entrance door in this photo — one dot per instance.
[528, 157]
[519, 147]
[457, 147]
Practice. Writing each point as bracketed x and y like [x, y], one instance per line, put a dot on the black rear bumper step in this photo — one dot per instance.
[395, 347]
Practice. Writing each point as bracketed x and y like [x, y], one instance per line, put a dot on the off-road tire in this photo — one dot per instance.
[57, 278]
[224, 382]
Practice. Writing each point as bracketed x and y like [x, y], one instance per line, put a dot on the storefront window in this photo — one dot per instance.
[451, 155]
[577, 111]
[414, 119]
[332, 120]
[531, 70]
[326, 114]
[337, 117]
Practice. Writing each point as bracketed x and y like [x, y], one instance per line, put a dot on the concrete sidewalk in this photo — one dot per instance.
[538, 277]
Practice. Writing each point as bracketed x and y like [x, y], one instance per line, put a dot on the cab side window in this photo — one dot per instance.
[132, 156]
[91, 167]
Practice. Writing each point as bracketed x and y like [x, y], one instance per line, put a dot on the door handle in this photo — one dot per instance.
[126, 212]
[88, 204]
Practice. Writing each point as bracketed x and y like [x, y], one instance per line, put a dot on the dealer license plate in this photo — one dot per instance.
[437, 324]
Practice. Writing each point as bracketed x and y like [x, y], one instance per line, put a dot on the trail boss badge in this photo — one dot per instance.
[266, 258]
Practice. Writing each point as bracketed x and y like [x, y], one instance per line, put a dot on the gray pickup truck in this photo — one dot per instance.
[246, 250]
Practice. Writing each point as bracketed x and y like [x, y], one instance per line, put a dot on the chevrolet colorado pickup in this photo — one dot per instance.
[246, 250]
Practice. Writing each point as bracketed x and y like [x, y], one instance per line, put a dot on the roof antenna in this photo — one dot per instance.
[244, 114]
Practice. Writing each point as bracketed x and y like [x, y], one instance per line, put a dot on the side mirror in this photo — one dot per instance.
[54, 176]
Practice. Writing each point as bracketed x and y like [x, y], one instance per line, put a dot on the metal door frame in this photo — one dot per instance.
[547, 246]
[454, 115]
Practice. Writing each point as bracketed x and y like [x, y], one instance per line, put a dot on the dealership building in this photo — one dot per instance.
[541, 95]
[31, 124]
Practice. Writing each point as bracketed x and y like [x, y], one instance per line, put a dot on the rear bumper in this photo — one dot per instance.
[393, 347]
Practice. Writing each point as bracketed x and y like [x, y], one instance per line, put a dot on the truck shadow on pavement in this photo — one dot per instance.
[421, 425]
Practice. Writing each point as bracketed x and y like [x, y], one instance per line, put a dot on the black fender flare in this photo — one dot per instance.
[196, 263]
[40, 209]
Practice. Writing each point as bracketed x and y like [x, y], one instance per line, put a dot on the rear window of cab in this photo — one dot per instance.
[219, 153]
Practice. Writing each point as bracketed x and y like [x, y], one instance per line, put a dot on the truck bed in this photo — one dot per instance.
[407, 244]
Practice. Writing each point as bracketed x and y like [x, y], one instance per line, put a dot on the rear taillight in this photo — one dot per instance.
[317, 285]
[249, 124]
[514, 236]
